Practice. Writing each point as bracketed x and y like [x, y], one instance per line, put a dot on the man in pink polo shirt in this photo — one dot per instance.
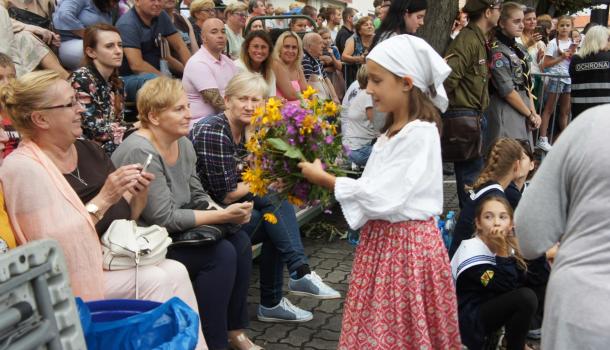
[208, 72]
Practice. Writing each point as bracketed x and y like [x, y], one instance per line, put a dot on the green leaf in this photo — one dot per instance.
[294, 153]
[278, 144]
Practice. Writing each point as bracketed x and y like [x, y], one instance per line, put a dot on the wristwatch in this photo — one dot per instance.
[94, 210]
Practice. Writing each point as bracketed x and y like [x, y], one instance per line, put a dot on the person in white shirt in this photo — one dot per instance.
[235, 16]
[401, 287]
[357, 126]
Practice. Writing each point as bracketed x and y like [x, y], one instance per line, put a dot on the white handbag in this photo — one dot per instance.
[125, 245]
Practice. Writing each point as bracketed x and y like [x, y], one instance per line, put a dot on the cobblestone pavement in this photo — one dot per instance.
[333, 262]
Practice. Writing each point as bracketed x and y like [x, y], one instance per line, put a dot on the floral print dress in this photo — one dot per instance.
[102, 119]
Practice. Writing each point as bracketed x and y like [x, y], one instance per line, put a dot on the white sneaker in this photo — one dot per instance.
[285, 311]
[312, 285]
[543, 144]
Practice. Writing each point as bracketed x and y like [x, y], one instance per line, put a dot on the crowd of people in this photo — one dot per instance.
[195, 71]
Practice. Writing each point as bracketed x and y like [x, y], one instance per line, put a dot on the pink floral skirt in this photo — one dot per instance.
[401, 293]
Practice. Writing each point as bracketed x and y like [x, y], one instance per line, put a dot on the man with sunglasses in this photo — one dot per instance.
[468, 57]
[235, 16]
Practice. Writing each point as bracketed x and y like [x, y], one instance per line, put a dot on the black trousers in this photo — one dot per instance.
[513, 310]
[221, 277]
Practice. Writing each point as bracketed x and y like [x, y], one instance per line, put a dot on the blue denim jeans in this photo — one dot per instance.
[281, 245]
[361, 155]
[133, 83]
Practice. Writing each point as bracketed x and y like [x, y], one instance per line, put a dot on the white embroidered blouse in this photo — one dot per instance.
[402, 180]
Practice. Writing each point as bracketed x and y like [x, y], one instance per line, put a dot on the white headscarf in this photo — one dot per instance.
[409, 55]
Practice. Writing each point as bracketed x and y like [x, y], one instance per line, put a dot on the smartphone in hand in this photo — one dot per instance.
[147, 163]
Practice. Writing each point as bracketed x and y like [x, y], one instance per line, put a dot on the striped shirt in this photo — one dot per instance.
[312, 66]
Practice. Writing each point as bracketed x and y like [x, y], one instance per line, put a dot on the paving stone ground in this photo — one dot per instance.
[333, 262]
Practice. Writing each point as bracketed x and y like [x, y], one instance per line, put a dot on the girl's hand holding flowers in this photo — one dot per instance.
[285, 135]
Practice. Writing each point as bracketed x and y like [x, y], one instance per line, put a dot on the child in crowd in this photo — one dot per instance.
[401, 294]
[357, 124]
[10, 137]
[557, 62]
[489, 271]
[505, 163]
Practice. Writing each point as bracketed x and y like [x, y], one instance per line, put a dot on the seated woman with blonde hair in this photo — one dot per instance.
[287, 57]
[72, 192]
[220, 271]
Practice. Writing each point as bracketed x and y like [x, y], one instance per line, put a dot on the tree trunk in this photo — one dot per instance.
[438, 23]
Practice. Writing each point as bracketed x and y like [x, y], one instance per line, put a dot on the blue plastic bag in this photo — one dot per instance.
[138, 324]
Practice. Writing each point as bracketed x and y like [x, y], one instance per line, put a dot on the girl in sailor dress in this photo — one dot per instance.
[401, 295]
[489, 272]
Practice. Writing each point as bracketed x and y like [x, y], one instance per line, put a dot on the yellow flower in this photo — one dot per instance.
[312, 104]
[273, 104]
[308, 92]
[295, 200]
[275, 115]
[258, 113]
[254, 178]
[330, 108]
[270, 218]
[308, 124]
[253, 146]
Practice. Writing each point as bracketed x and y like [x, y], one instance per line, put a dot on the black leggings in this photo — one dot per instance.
[221, 277]
[514, 311]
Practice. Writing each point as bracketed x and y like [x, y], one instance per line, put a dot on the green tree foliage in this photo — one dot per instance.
[561, 7]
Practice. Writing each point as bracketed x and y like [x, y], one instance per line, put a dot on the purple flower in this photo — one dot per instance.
[314, 147]
[291, 130]
[346, 150]
[329, 139]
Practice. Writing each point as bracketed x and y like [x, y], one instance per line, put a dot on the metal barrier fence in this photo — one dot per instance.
[542, 97]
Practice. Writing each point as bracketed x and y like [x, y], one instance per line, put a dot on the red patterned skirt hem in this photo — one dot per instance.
[401, 293]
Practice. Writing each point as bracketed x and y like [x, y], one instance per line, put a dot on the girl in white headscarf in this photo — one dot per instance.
[401, 293]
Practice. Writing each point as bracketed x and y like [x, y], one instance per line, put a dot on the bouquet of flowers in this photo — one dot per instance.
[285, 134]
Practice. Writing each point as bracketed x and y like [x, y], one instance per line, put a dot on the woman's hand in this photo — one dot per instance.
[49, 37]
[124, 179]
[139, 194]
[238, 213]
[535, 120]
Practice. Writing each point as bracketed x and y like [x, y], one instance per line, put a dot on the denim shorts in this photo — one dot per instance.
[557, 86]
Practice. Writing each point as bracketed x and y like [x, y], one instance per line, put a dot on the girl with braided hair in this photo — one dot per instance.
[512, 112]
[506, 162]
[489, 271]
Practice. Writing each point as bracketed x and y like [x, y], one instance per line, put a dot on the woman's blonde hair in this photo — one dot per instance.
[157, 95]
[200, 5]
[595, 41]
[511, 240]
[500, 160]
[279, 43]
[235, 7]
[20, 97]
[247, 84]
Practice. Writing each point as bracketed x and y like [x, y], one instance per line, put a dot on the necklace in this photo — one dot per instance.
[77, 176]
